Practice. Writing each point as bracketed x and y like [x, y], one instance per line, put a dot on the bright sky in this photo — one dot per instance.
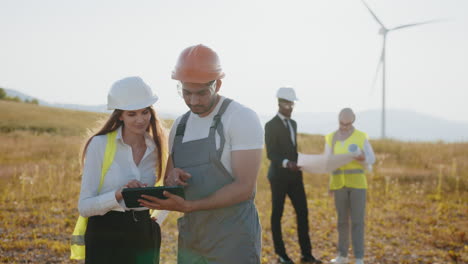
[72, 51]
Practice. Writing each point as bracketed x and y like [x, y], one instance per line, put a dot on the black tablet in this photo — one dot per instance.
[131, 195]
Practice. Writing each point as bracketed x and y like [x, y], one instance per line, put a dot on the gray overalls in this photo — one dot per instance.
[225, 235]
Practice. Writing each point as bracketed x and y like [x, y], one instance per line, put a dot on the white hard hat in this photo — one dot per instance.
[130, 93]
[287, 93]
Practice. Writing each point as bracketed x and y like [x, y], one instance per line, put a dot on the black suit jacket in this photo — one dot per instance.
[280, 147]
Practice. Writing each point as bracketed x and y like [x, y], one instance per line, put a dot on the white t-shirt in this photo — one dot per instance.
[242, 130]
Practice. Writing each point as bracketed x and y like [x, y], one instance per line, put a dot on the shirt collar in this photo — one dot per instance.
[148, 139]
[119, 134]
[149, 142]
[282, 116]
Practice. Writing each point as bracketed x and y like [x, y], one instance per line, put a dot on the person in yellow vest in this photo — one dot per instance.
[348, 184]
[116, 234]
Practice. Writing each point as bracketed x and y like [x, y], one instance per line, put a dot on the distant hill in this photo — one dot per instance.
[89, 108]
[100, 108]
[401, 124]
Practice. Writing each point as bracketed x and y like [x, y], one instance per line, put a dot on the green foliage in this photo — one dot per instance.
[32, 101]
[13, 99]
[2, 93]
[4, 96]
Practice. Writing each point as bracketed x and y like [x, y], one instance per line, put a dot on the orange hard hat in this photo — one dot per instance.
[198, 64]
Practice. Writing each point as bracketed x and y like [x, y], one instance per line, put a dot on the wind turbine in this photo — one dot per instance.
[384, 31]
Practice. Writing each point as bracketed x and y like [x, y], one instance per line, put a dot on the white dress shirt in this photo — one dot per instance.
[122, 170]
[291, 132]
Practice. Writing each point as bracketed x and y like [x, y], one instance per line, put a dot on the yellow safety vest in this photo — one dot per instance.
[77, 246]
[352, 174]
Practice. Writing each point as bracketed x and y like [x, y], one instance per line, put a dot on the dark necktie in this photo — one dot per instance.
[289, 130]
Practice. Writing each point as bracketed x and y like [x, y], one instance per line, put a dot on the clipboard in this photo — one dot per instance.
[131, 195]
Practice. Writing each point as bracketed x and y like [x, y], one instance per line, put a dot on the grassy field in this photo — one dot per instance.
[416, 213]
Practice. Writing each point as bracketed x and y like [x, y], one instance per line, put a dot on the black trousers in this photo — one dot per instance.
[292, 186]
[118, 237]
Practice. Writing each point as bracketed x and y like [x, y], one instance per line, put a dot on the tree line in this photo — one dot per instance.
[4, 96]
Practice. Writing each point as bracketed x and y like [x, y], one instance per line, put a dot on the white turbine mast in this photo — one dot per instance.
[384, 31]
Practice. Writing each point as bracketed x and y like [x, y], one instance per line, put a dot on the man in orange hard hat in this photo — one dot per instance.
[215, 152]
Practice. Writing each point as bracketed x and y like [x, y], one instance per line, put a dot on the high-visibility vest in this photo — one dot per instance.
[352, 174]
[77, 246]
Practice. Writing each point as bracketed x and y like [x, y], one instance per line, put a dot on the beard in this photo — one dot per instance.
[286, 112]
[202, 109]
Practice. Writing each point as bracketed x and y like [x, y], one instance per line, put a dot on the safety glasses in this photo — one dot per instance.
[206, 90]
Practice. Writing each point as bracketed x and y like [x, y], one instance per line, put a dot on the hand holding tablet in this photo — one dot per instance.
[131, 195]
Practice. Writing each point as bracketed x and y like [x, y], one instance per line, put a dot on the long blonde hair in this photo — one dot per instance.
[156, 130]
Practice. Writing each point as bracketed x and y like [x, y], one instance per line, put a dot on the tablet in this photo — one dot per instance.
[131, 195]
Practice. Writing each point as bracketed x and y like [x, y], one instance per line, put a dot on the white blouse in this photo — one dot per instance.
[122, 170]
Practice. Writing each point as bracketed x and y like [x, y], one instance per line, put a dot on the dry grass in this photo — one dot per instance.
[416, 211]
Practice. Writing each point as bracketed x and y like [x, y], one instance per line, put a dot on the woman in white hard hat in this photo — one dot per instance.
[116, 234]
[348, 184]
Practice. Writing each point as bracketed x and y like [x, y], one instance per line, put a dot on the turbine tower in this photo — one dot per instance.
[384, 31]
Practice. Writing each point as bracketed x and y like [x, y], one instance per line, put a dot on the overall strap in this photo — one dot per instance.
[109, 154]
[217, 125]
[180, 132]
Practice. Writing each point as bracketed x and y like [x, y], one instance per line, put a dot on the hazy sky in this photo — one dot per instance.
[72, 51]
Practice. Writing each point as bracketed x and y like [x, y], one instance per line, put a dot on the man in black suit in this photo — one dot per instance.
[286, 177]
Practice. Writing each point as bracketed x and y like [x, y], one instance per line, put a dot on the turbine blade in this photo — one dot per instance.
[416, 24]
[377, 70]
[372, 13]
